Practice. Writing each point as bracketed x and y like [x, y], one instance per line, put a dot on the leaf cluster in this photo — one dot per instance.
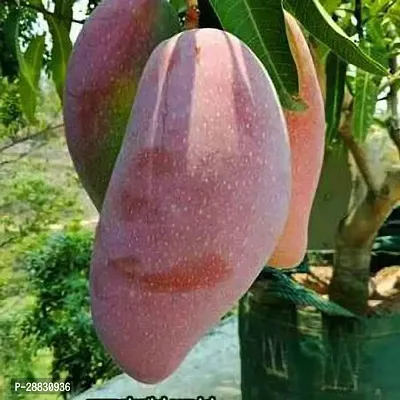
[8, 57]
[60, 317]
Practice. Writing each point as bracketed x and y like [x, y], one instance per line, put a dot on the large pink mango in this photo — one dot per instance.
[307, 143]
[196, 203]
[103, 73]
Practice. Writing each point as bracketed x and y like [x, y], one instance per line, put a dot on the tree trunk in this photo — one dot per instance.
[373, 199]
[356, 233]
[349, 285]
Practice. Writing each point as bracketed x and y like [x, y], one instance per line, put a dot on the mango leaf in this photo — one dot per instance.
[335, 87]
[62, 47]
[376, 36]
[36, 3]
[366, 94]
[351, 83]
[178, 5]
[376, 6]
[261, 25]
[63, 11]
[30, 66]
[9, 30]
[330, 5]
[319, 49]
[394, 14]
[318, 23]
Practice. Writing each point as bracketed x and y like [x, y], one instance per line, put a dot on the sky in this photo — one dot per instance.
[79, 14]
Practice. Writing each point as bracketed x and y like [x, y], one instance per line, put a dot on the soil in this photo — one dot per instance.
[384, 287]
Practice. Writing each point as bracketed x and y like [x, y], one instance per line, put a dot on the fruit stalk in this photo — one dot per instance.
[192, 15]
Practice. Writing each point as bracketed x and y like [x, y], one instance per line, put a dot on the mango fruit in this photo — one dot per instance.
[307, 143]
[103, 73]
[197, 201]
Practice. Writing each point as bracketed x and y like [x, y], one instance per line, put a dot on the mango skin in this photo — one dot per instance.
[307, 142]
[103, 73]
[196, 203]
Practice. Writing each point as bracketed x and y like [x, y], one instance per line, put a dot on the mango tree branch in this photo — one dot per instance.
[358, 153]
[361, 225]
[358, 229]
[354, 240]
[29, 137]
[22, 155]
[358, 15]
[395, 78]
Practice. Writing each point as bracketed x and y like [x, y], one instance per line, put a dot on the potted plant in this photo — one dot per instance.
[333, 332]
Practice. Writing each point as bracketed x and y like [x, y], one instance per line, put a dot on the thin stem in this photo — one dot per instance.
[22, 155]
[358, 154]
[30, 137]
[192, 15]
[395, 78]
[358, 15]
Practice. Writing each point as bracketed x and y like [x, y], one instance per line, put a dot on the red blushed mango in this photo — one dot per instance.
[104, 70]
[307, 143]
[196, 203]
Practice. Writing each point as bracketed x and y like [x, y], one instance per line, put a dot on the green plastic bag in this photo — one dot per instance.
[295, 345]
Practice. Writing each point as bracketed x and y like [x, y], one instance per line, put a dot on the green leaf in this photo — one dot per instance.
[30, 65]
[178, 5]
[366, 94]
[330, 5]
[394, 14]
[376, 36]
[319, 24]
[62, 47]
[261, 25]
[63, 11]
[60, 26]
[36, 3]
[10, 30]
[335, 87]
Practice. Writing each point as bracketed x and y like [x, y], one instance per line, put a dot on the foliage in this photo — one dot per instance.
[60, 318]
[12, 119]
[260, 27]
[29, 204]
[356, 46]
[8, 55]
[374, 26]
[16, 355]
[261, 24]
